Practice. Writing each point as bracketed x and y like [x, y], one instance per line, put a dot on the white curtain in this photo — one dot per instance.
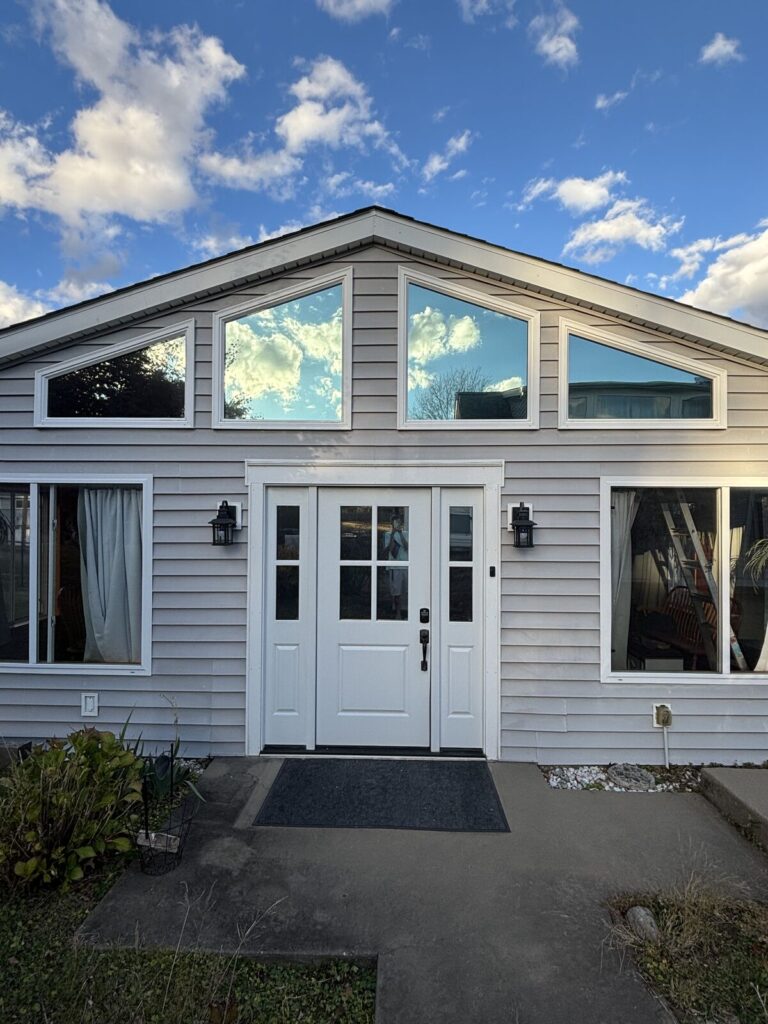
[762, 661]
[624, 505]
[109, 524]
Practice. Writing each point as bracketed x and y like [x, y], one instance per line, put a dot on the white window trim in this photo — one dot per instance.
[185, 328]
[222, 318]
[718, 377]
[497, 305]
[147, 506]
[723, 486]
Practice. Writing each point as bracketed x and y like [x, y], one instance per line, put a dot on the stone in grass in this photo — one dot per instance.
[643, 924]
[630, 776]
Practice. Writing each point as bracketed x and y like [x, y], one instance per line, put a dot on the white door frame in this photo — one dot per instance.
[263, 473]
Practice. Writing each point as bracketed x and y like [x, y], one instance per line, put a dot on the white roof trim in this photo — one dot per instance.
[385, 226]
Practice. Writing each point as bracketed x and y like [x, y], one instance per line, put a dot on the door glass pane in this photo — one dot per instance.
[287, 532]
[354, 592]
[14, 573]
[749, 580]
[392, 592]
[460, 594]
[356, 533]
[461, 533]
[287, 592]
[43, 561]
[393, 536]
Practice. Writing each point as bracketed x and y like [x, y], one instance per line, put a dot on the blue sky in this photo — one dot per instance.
[627, 140]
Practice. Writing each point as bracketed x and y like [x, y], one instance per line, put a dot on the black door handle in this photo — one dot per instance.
[424, 641]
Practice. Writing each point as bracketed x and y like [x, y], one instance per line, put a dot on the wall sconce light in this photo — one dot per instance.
[520, 523]
[224, 524]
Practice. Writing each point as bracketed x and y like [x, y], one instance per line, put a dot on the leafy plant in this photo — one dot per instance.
[166, 775]
[69, 805]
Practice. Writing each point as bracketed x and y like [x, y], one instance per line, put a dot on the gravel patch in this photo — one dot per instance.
[675, 779]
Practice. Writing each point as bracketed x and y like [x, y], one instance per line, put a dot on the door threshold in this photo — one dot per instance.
[390, 753]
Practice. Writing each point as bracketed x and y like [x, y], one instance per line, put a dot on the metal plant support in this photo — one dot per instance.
[160, 850]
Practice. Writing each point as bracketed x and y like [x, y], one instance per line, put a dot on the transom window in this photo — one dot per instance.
[147, 381]
[85, 603]
[285, 362]
[463, 360]
[673, 608]
[607, 381]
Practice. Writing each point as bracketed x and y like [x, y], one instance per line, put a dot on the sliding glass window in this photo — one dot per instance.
[88, 549]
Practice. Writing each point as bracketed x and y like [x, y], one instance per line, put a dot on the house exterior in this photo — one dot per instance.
[372, 396]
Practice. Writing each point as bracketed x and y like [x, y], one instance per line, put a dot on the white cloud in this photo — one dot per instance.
[471, 10]
[691, 256]
[354, 10]
[627, 222]
[216, 243]
[432, 335]
[720, 50]
[132, 151]
[15, 306]
[70, 290]
[345, 184]
[553, 36]
[439, 115]
[332, 108]
[603, 102]
[438, 162]
[577, 195]
[736, 282]
[314, 215]
[512, 385]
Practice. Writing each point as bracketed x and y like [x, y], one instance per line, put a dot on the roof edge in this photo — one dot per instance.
[378, 223]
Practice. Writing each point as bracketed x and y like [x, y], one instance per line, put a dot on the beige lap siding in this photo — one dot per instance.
[554, 707]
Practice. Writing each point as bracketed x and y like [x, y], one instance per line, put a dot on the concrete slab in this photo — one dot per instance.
[741, 794]
[505, 927]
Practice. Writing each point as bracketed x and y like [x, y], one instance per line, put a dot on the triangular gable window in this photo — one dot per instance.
[607, 381]
[145, 381]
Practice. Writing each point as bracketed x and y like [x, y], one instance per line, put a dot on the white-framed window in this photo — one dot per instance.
[76, 574]
[285, 362]
[606, 381]
[684, 579]
[147, 381]
[465, 360]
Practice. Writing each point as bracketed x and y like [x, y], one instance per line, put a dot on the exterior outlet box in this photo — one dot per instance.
[89, 705]
[516, 504]
[662, 715]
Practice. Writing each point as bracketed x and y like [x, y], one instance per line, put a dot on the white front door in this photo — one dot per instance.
[373, 592]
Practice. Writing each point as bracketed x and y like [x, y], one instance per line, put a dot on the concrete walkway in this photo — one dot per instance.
[507, 928]
[742, 796]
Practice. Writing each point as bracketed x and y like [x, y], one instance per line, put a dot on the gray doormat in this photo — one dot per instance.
[443, 796]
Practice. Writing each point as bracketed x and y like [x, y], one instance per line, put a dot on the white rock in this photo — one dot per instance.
[643, 924]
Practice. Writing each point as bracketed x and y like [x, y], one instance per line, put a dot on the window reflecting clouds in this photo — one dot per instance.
[607, 383]
[285, 362]
[464, 362]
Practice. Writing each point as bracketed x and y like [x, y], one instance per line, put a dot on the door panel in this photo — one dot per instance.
[373, 578]
[461, 618]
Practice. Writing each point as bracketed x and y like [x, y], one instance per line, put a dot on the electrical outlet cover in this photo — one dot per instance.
[89, 705]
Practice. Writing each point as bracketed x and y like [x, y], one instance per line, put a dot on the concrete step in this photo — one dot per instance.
[741, 796]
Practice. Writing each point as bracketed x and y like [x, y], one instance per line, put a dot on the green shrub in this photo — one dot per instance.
[69, 805]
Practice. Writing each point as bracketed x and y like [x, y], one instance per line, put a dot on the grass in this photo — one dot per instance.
[711, 962]
[46, 979]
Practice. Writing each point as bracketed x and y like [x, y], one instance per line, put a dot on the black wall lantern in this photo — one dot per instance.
[224, 524]
[522, 525]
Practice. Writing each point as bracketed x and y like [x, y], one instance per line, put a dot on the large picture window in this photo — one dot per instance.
[463, 362]
[286, 363]
[147, 381]
[685, 564]
[85, 603]
[607, 381]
